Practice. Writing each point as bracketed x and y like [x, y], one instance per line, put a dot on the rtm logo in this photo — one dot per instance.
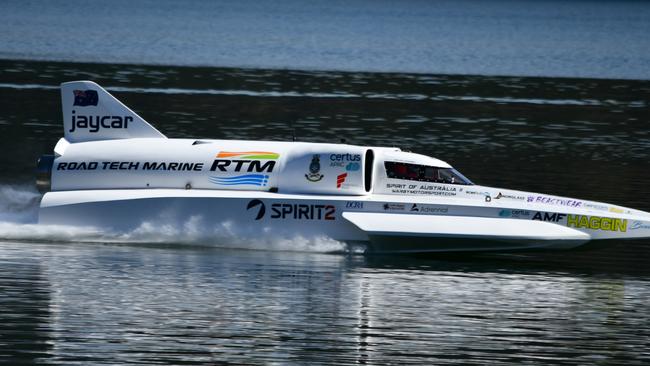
[239, 165]
[249, 161]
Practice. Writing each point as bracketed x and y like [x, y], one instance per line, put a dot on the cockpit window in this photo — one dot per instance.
[424, 173]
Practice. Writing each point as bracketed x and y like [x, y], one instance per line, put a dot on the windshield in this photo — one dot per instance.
[424, 173]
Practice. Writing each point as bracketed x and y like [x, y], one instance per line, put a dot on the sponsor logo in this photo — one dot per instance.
[427, 209]
[354, 204]
[487, 196]
[514, 213]
[340, 179]
[73, 165]
[345, 160]
[314, 169]
[616, 210]
[257, 203]
[260, 180]
[393, 207]
[302, 211]
[470, 192]
[130, 165]
[94, 123]
[353, 167]
[509, 196]
[554, 201]
[84, 98]
[595, 206]
[345, 157]
[196, 167]
[546, 216]
[248, 161]
[423, 189]
[295, 211]
[636, 225]
[597, 223]
[520, 213]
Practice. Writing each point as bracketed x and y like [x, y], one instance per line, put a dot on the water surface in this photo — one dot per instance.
[80, 304]
[73, 296]
[583, 38]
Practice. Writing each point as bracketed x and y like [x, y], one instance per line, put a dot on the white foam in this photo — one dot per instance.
[19, 216]
[225, 234]
[58, 233]
[19, 203]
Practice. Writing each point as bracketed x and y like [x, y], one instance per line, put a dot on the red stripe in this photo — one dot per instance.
[340, 179]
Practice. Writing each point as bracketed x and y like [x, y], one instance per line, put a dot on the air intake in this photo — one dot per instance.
[44, 173]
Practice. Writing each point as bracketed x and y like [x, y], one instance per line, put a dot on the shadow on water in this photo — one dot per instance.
[610, 259]
[25, 318]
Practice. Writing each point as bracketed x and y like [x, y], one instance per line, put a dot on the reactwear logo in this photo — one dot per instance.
[262, 208]
[84, 98]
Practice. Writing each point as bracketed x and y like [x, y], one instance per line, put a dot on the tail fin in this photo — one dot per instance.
[90, 113]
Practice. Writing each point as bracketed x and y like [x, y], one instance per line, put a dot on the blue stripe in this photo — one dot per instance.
[243, 184]
[236, 180]
[246, 176]
[249, 176]
[246, 179]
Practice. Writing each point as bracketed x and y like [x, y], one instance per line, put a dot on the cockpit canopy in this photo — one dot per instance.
[424, 173]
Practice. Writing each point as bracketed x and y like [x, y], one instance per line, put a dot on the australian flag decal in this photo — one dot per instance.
[85, 98]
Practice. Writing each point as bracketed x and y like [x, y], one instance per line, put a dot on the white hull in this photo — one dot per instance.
[383, 223]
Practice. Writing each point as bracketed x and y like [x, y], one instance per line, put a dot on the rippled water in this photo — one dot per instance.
[575, 38]
[83, 304]
[76, 296]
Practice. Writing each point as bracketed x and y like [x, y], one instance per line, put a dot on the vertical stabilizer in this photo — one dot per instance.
[90, 113]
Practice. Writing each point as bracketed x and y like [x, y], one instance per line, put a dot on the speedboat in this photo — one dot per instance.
[113, 170]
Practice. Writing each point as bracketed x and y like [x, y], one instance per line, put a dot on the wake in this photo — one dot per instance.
[19, 222]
